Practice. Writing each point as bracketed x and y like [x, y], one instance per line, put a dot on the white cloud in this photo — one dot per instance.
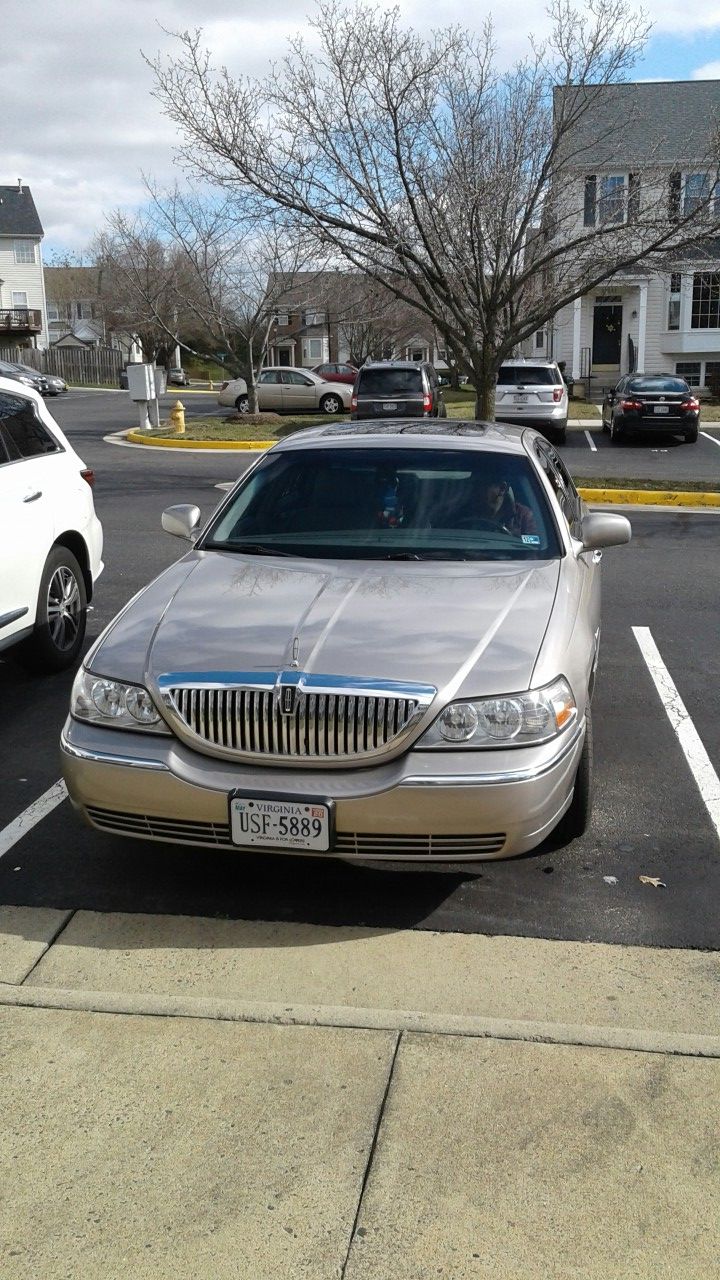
[79, 124]
[711, 71]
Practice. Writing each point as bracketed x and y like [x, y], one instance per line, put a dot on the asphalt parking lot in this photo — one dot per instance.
[657, 811]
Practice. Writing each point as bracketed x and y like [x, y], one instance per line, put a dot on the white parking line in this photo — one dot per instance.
[30, 817]
[697, 757]
[707, 437]
[591, 442]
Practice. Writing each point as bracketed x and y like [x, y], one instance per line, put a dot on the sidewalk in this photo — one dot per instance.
[191, 1097]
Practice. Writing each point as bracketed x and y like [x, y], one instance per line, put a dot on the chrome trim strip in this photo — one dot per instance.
[107, 757]
[355, 685]
[494, 779]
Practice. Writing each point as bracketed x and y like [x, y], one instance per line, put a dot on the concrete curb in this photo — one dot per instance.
[340, 1016]
[160, 442]
[651, 497]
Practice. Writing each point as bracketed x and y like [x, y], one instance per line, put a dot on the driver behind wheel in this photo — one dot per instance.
[492, 499]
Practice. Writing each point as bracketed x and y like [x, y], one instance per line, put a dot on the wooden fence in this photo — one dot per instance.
[83, 366]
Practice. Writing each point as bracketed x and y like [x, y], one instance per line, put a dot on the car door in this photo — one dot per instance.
[269, 389]
[610, 400]
[298, 392]
[28, 503]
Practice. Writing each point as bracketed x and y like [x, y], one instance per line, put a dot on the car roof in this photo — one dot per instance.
[412, 433]
[530, 362]
[392, 364]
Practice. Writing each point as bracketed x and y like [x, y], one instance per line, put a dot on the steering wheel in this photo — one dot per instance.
[480, 522]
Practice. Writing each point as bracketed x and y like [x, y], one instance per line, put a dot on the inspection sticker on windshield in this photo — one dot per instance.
[531, 538]
[275, 822]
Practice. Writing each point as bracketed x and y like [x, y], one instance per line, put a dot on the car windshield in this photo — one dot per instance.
[514, 375]
[390, 382]
[658, 384]
[387, 503]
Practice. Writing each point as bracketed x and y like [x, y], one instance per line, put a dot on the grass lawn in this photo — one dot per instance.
[236, 428]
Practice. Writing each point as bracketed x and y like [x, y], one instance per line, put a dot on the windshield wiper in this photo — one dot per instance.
[402, 555]
[249, 548]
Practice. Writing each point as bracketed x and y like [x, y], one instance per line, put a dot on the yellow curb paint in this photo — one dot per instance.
[134, 437]
[651, 497]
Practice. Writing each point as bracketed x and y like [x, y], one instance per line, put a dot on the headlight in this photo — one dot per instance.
[114, 704]
[29, 382]
[512, 720]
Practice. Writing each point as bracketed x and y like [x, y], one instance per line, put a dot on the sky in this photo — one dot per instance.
[79, 125]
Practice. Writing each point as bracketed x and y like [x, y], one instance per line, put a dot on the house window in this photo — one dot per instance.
[418, 354]
[706, 300]
[712, 375]
[539, 339]
[19, 298]
[282, 319]
[314, 318]
[611, 199]
[696, 192]
[690, 371]
[24, 251]
[315, 348]
[674, 301]
[53, 312]
[611, 202]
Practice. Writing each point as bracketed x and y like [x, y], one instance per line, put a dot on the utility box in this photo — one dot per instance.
[141, 381]
[160, 382]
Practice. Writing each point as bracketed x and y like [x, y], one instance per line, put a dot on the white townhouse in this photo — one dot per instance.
[655, 149]
[22, 290]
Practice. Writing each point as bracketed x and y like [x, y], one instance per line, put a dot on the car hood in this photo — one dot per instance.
[466, 629]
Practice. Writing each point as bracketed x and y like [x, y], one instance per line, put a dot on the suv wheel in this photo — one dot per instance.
[616, 435]
[61, 615]
[560, 433]
[691, 435]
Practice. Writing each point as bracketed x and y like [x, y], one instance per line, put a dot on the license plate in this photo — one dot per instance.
[662, 408]
[275, 822]
[389, 406]
[520, 399]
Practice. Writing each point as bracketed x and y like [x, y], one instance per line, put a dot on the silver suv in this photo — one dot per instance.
[532, 393]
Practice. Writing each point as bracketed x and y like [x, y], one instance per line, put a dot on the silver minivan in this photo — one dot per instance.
[532, 393]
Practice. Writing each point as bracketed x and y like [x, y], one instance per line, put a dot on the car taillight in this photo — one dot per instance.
[353, 401]
[223, 386]
[692, 403]
[88, 475]
[632, 405]
[557, 395]
[427, 402]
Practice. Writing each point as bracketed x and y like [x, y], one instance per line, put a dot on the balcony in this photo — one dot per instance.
[20, 320]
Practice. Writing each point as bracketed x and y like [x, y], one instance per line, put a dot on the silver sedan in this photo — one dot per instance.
[382, 645]
[283, 390]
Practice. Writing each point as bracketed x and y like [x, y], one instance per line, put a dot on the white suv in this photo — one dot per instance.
[532, 393]
[51, 548]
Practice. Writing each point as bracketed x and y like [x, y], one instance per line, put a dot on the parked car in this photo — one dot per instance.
[51, 553]
[24, 374]
[532, 393]
[283, 390]
[382, 645]
[643, 403]
[336, 372]
[177, 378]
[397, 388]
[56, 384]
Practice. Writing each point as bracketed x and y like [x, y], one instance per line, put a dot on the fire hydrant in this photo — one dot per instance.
[177, 417]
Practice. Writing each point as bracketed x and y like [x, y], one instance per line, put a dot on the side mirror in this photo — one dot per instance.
[603, 529]
[182, 520]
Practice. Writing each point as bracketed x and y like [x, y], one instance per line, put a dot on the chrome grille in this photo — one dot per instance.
[348, 844]
[324, 723]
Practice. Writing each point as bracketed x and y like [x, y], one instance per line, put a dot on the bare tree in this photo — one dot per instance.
[205, 271]
[422, 164]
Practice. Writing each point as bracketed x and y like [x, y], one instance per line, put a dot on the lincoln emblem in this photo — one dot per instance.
[288, 700]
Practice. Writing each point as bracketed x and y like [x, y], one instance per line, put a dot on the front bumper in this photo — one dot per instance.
[424, 806]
